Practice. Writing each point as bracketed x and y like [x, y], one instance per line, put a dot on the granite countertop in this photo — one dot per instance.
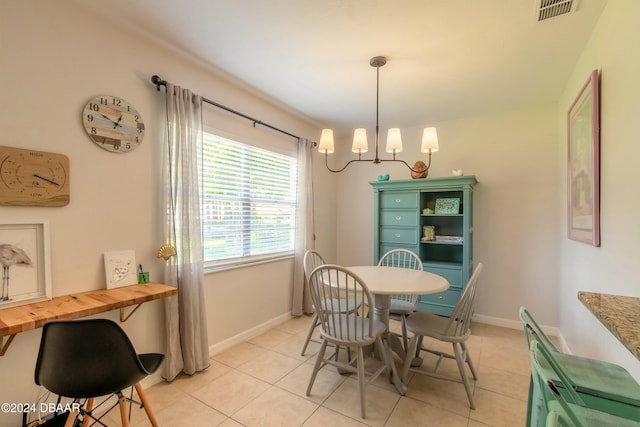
[620, 314]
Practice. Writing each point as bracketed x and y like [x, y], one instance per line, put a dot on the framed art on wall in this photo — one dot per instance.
[24, 256]
[583, 165]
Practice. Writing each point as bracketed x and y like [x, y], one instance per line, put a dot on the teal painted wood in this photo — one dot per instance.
[398, 222]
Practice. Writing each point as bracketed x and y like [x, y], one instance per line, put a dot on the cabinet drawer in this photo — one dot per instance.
[399, 218]
[399, 235]
[447, 298]
[453, 275]
[399, 199]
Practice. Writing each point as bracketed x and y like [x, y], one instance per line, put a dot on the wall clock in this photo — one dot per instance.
[33, 178]
[113, 123]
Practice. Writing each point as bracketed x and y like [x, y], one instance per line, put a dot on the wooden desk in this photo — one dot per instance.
[26, 317]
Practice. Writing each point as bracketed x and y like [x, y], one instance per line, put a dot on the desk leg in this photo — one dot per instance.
[5, 345]
[381, 313]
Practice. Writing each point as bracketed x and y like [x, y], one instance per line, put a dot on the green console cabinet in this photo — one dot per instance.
[432, 217]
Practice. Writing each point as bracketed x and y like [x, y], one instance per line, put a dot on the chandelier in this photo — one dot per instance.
[394, 139]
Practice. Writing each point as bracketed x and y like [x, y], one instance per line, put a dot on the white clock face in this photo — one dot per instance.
[113, 123]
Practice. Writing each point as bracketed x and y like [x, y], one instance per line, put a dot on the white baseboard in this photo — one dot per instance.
[248, 334]
[496, 321]
[515, 324]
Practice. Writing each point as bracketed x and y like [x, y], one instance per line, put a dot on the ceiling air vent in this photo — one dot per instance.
[552, 8]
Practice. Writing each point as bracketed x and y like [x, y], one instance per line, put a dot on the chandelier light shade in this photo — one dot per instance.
[394, 141]
[360, 144]
[394, 138]
[326, 141]
[429, 140]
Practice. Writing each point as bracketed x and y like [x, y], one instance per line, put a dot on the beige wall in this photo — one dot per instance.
[611, 267]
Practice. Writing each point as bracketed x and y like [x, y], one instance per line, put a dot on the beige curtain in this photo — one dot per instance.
[305, 238]
[187, 347]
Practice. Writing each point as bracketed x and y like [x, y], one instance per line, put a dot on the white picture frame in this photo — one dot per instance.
[25, 260]
[120, 268]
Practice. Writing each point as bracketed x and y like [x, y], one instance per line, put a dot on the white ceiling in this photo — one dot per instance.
[446, 58]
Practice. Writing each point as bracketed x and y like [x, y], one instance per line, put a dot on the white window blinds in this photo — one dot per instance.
[249, 198]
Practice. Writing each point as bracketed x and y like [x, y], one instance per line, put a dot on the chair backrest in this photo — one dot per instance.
[86, 358]
[336, 317]
[311, 260]
[460, 319]
[541, 356]
[402, 258]
[533, 331]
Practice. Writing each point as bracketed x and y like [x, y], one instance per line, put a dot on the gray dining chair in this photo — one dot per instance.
[454, 329]
[401, 306]
[343, 327]
[311, 260]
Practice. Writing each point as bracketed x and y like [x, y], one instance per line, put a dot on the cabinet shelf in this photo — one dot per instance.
[436, 242]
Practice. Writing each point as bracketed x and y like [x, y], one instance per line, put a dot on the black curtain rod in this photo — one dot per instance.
[156, 80]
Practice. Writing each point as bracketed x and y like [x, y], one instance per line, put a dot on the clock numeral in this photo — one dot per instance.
[93, 131]
[104, 101]
[94, 107]
[116, 102]
[89, 117]
[136, 118]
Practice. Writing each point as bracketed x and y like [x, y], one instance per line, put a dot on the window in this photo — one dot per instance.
[248, 202]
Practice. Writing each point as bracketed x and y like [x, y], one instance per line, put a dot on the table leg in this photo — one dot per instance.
[381, 313]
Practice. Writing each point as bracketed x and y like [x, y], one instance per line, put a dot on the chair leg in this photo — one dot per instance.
[145, 404]
[312, 327]
[71, 419]
[122, 403]
[468, 360]
[317, 365]
[88, 409]
[412, 348]
[361, 381]
[460, 356]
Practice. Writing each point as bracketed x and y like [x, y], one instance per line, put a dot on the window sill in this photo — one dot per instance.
[233, 265]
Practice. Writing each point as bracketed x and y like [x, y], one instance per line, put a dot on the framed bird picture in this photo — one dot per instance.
[24, 257]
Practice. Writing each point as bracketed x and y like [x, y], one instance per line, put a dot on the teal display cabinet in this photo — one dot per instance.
[408, 212]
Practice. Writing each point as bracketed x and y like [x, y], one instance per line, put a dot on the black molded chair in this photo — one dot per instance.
[85, 359]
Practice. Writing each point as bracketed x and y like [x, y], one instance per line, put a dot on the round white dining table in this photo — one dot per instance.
[386, 281]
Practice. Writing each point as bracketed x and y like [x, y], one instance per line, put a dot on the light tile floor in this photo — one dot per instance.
[262, 382]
